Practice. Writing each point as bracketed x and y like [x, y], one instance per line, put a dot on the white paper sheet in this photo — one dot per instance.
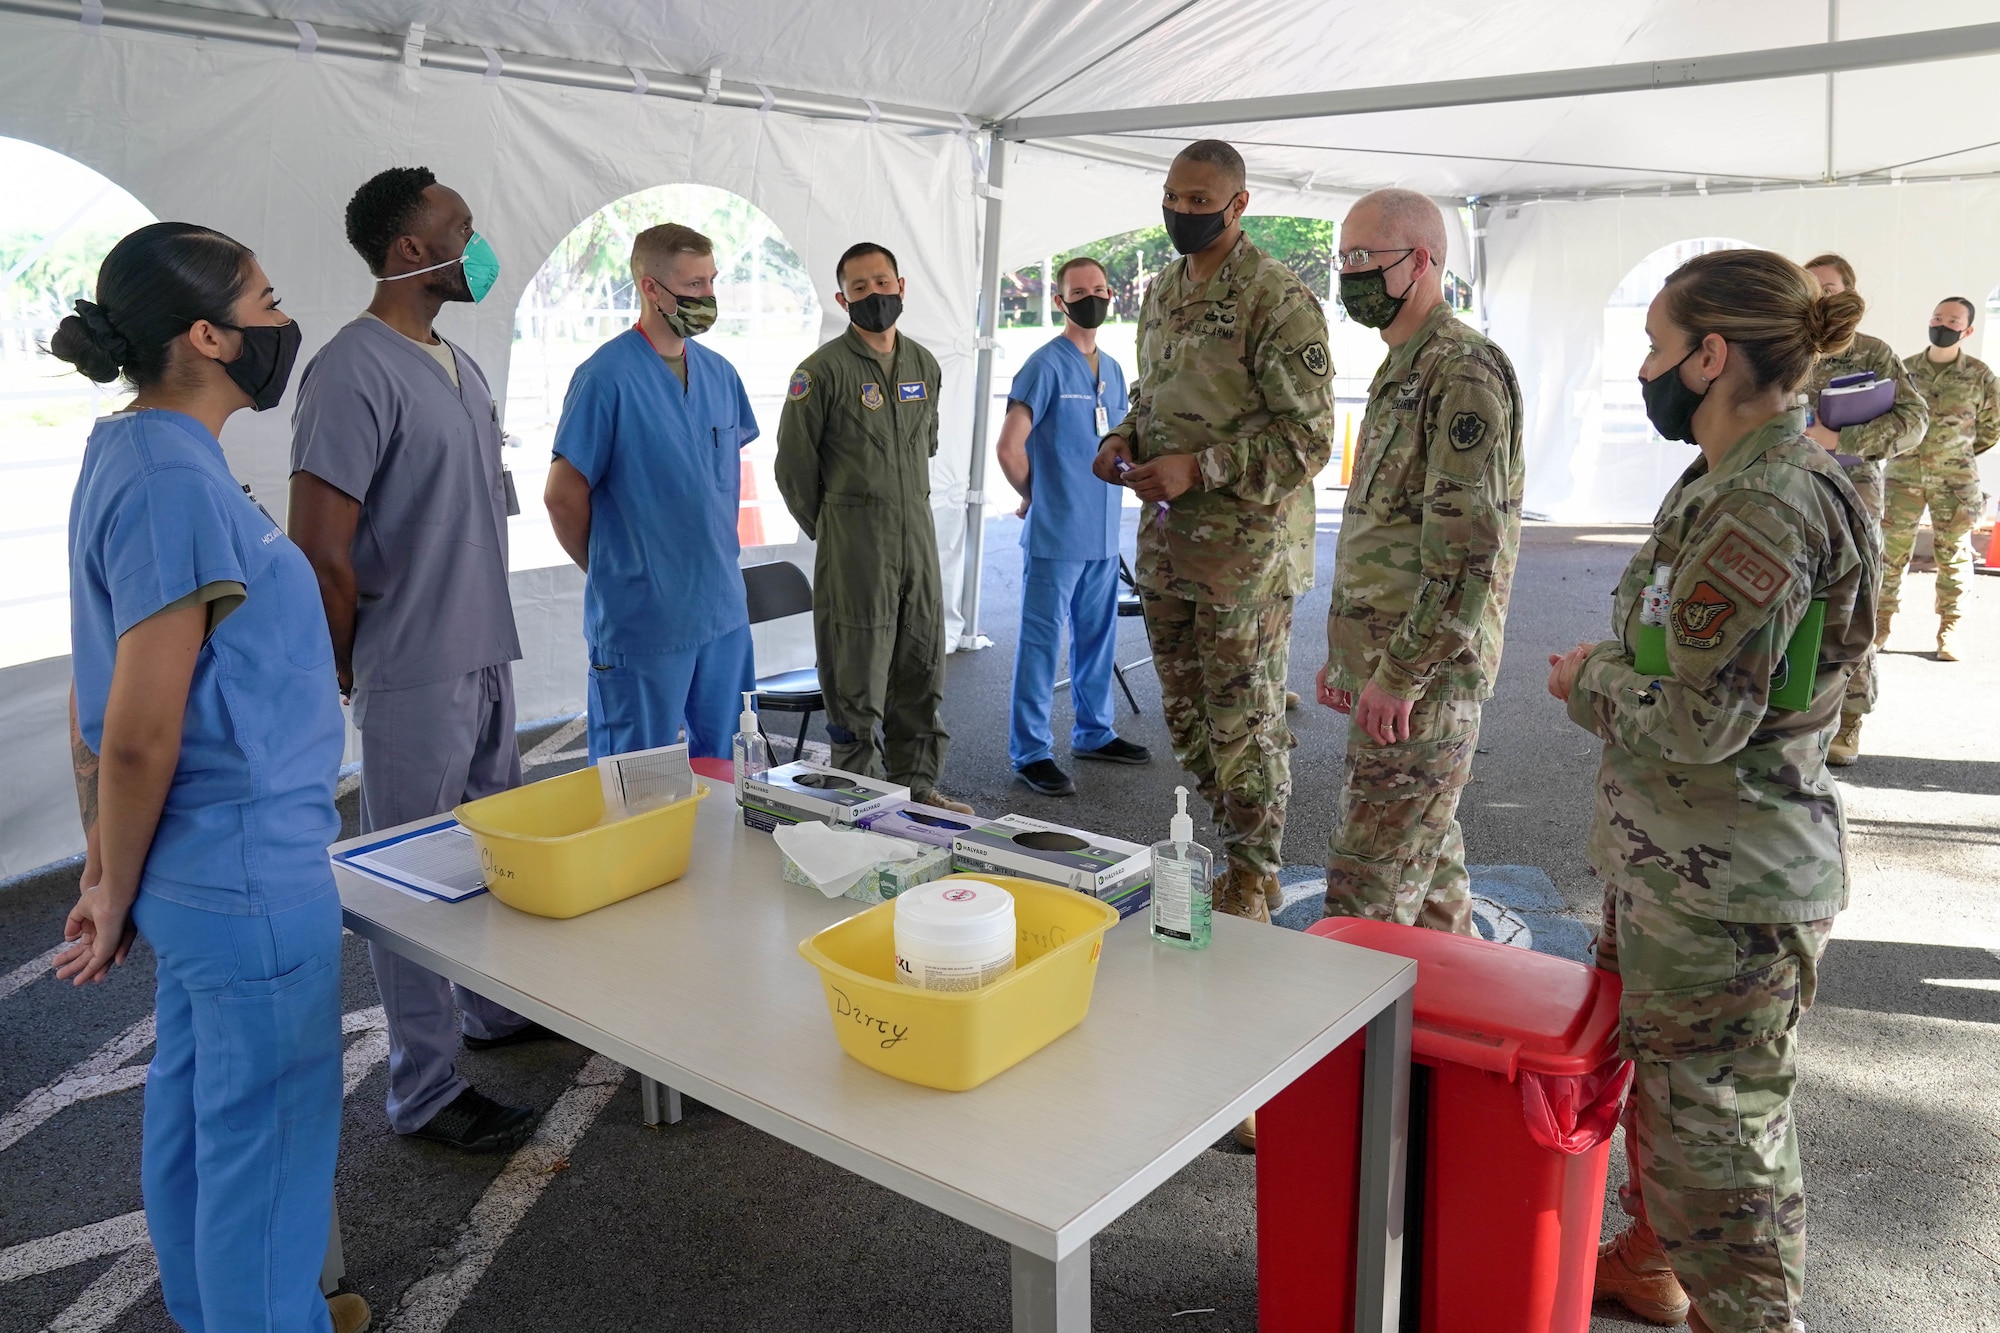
[438, 863]
[645, 780]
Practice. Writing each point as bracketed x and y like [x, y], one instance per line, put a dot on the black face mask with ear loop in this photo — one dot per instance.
[1943, 335]
[1087, 312]
[1192, 233]
[264, 367]
[1670, 404]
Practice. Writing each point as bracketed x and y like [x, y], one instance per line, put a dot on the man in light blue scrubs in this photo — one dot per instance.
[400, 501]
[1065, 397]
[643, 494]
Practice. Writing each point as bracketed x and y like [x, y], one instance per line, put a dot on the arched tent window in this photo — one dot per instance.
[58, 218]
[583, 296]
[1624, 466]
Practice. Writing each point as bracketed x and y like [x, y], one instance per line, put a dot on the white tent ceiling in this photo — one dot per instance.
[200, 110]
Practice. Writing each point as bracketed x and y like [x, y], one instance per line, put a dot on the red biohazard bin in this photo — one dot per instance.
[1515, 1088]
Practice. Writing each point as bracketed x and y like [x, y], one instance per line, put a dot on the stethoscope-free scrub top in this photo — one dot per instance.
[662, 460]
[250, 813]
[380, 420]
[1074, 516]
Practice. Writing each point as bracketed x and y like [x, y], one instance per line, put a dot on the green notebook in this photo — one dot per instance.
[1791, 690]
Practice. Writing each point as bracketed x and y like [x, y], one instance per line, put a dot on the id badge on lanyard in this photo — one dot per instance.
[1103, 420]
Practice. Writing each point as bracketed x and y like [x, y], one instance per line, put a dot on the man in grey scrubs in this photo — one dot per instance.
[400, 501]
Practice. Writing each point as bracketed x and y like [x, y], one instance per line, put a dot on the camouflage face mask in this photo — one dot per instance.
[691, 315]
[1365, 297]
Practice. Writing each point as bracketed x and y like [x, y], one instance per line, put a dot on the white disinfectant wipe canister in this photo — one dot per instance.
[954, 934]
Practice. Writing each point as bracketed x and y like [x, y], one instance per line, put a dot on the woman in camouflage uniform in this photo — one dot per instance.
[1719, 834]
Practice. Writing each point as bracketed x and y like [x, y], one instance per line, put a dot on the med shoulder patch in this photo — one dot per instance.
[1467, 429]
[1699, 617]
[801, 385]
[1748, 563]
[1313, 356]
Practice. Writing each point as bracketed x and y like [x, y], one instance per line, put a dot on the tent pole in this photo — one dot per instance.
[982, 395]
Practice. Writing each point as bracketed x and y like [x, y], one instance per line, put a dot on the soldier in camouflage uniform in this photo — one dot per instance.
[1862, 451]
[1965, 421]
[1428, 541]
[1231, 419]
[1719, 833]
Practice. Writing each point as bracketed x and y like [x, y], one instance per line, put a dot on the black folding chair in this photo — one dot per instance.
[774, 591]
[1128, 606]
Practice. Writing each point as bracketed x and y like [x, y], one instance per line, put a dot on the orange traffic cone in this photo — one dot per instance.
[749, 513]
[1993, 548]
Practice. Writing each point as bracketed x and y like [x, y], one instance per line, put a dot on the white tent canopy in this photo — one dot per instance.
[1587, 136]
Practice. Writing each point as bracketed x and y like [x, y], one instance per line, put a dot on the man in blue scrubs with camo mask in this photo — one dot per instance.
[643, 495]
[400, 501]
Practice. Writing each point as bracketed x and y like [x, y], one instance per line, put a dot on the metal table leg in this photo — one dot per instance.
[652, 1093]
[334, 1267]
[1052, 1295]
[1385, 1112]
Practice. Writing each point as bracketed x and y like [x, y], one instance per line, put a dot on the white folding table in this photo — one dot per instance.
[698, 986]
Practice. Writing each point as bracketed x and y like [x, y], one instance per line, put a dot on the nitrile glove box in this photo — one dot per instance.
[1108, 869]
[795, 793]
[925, 824]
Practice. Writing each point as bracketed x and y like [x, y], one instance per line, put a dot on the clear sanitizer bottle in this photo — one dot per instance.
[750, 751]
[1182, 872]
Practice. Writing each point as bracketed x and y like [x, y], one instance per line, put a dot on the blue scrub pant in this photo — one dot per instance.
[639, 701]
[243, 1111]
[424, 750]
[1085, 594]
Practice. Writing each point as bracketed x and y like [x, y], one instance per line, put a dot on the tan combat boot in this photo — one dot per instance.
[1632, 1269]
[1846, 746]
[1240, 892]
[349, 1313]
[937, 798]
[1947, 630]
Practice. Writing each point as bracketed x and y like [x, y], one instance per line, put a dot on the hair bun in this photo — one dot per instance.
[104, 335]
[1832, 320]
[89, 341]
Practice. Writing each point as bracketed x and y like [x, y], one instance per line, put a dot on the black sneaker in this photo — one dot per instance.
[528, 1032]
[1046, 778]
[475, 1123]
[1118, 751]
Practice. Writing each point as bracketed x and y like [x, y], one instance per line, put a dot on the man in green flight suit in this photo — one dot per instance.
[1231, 419]
[1428, 542]
[1894, 434]
[855, 441]
[1941, 474]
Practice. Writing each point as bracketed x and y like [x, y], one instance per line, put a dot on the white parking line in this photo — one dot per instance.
[101, 1075]
[430, 1303]
[117, 1289]
[32, 1257]
[33, 969]
[552, 745]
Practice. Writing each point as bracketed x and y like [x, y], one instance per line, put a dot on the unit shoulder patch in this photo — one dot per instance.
[1313, 356]
[1748, 563]
[801, 385]
[1467, 429]
[871, 396]
[1699, 617]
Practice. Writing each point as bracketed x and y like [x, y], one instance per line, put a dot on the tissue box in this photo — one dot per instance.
[1109, 869]
[919, 823]
[795, 793]
[885, 879]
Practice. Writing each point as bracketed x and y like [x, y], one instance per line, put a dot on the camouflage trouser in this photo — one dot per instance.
[1222, 688]
[1954, 503]
[1708, 1012]
[1397, 853]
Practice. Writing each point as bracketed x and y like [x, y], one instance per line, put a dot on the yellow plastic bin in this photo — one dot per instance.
[547, 850]
[956, 1040]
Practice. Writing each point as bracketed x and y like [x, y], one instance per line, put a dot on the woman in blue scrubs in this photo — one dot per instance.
[207, 733]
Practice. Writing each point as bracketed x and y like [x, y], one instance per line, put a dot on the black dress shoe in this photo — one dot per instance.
[1046, 778]
[475, 1123]
[1118, 751]
[531, 1032]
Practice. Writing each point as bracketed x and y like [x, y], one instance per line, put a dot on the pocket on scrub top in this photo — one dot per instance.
[725, 459]
[280, 1046]
[301, 614]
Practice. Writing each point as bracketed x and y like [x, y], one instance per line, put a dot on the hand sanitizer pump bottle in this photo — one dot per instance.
[750, 751]
[1182, 872]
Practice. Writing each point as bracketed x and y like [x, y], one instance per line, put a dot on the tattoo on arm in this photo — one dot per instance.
[84, 762]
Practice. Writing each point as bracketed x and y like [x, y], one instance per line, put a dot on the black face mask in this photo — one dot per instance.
[264, 367]
[876, 313]
[1087, 312]
[1192, 233]
[1670, 404]
[1942, 336]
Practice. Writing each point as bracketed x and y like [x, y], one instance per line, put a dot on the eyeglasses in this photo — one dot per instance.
[1359, 261]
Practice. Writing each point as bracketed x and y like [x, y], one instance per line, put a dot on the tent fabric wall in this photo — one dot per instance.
[268, 148]
[1553, 263]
